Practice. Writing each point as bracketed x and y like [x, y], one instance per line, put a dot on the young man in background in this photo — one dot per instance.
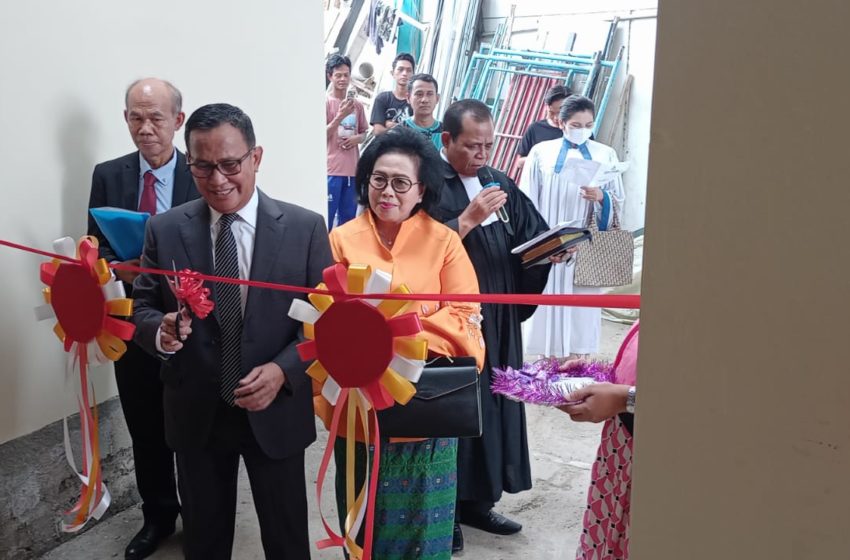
[346, 129]
[391, 107]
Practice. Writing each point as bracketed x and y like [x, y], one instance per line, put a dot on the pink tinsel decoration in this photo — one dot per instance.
[536, 383]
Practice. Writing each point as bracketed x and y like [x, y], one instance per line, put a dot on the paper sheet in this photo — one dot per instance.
[593, 173]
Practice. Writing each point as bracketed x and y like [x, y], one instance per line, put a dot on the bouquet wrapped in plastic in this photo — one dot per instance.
[546, 382]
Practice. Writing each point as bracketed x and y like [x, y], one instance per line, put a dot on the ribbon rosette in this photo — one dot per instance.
[82, 295]
[188, 288]
[366, 356]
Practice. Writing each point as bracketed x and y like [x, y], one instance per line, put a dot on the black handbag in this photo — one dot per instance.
[447, 403]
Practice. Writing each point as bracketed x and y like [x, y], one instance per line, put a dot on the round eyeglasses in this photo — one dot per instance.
[379, 182]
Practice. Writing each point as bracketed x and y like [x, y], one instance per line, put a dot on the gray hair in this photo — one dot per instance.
[176, 96]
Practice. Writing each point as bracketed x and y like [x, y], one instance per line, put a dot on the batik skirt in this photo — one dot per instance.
[415, 502]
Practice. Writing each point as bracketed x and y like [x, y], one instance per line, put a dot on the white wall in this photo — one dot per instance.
[65, 66]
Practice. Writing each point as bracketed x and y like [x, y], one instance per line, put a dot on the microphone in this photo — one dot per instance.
[485, 176]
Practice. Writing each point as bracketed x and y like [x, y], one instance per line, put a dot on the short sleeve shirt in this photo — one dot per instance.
[538, 132]
[388, 107]
[343, 163]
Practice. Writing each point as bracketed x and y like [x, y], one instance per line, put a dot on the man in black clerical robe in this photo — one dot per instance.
[498, 461]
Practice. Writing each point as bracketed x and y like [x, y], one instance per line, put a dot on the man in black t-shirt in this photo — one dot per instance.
[391, 107]
[546, 129]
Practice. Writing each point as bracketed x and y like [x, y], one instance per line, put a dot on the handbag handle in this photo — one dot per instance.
[438, 358]
[591, 215]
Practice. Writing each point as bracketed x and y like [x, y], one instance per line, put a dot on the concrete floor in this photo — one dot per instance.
[562, 452]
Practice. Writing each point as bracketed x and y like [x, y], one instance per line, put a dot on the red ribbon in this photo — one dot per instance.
[624, 301]
[335, 539]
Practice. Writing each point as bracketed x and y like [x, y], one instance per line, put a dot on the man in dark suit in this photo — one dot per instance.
[152, 179]
[234, 384]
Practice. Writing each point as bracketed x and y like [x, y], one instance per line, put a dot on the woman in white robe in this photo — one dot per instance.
[559, 196]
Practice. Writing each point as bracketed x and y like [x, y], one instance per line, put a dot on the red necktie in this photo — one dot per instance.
[148, 202]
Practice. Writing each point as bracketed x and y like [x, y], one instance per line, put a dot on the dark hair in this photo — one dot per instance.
[404, 56]
[423, 78]
[334, 61]
[453, 118]
[405, 141]
[576, 104]
[556, 93]
[214, 115]
[176, 96]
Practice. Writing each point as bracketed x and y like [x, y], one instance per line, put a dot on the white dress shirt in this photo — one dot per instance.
[244, 227]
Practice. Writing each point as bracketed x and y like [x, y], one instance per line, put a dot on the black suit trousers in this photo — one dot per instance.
[140, 391]
[208, 483]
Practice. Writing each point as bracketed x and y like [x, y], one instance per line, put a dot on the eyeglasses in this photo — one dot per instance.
[204, 169]
[399, 184]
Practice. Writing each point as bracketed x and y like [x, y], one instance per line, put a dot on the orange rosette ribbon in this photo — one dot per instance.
[83, 295]
[366, 358]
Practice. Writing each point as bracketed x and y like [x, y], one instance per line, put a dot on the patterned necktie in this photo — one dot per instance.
[148, 202]
[229, 302]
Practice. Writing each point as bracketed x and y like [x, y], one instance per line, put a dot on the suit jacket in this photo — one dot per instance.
[290, 247]
[115, 183]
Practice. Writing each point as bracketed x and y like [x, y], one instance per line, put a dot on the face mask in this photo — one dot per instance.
[578, 136]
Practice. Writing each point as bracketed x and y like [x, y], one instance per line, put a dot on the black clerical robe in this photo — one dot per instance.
[498, 461]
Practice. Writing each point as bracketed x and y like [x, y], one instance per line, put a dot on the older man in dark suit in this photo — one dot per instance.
[152, 179]
[234, 384]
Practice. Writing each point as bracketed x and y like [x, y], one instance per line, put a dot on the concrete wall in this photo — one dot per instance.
[36, 483]
[743, 423]
[541, 24]
[65, 66]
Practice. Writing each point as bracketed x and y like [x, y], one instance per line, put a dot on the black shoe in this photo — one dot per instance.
[146, 541]
[490, 522]
[457, 539]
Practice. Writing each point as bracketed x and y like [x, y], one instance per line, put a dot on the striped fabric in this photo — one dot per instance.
[229, 303]
[415, 505]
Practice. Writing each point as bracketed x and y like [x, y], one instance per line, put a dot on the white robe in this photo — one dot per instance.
[558, 330]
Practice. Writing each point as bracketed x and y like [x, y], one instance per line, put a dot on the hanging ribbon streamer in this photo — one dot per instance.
[82, 294]
[365, 355]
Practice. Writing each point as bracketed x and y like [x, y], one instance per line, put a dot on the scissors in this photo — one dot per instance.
[174, 284]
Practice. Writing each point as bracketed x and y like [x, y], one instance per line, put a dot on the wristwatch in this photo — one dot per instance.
[630, 400]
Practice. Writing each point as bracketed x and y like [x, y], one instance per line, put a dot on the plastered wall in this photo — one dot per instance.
[743, 423]
[64, 68]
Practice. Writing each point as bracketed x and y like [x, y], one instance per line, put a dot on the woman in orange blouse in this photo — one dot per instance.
[398, 179]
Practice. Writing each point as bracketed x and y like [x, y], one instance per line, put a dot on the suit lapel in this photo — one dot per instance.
[271, 227]
[182, 181]
[195, 234]
[130, 182]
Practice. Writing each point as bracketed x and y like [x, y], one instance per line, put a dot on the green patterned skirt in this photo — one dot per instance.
[417, 489]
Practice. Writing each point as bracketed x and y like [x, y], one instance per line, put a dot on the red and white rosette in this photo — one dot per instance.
[367, 358]
[83, 295]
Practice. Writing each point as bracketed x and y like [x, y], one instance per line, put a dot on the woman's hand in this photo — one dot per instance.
[599, 402]
[569, 363]
[593, 194]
